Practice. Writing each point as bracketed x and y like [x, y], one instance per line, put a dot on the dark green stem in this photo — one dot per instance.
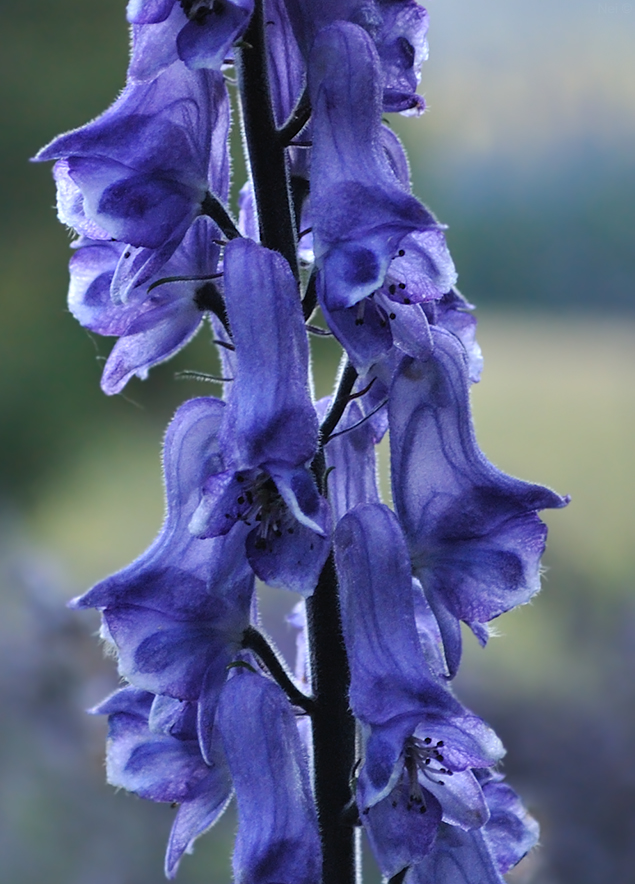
[214, 209]
[256, 641]
[333, 730]
[267, 158]
[342, 398]
[332, 720]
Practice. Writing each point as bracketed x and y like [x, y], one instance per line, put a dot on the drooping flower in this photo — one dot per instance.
[480, 856]
[198, 32]
[473, 532]
[141, 172]
[379, 251]
[269, 431]
[155, 754]
[398, 29]
[421, 747]
[177, 614]
[158, 318]
[278, 838]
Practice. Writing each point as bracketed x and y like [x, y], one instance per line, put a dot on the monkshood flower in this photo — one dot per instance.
[398, 29]
[142, 171]
[177, 614]
[158, 318]
[480, 856]
[198, 32]
[269, 431]
[452, 313]
[420, 745]
[379, 251]
[473, 532]
[153, 751]
[278, 838]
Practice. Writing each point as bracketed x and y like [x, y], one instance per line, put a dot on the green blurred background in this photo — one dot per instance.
[527, 151]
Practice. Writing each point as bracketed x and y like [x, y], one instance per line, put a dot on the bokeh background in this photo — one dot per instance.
[528, 153]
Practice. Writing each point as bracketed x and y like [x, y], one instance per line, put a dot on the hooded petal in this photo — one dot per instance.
[472, 531]
[270, 415]
[145, 166]
[278, 836]
[360, 210]
[389, 675]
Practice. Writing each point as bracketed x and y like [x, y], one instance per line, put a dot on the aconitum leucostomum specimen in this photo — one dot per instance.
[264, 482]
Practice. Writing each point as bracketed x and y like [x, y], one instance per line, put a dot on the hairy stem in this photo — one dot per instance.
[333, 730]
[267, 159]
[332, 721]
[255, 641]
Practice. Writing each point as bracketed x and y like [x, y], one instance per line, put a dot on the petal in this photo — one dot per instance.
[472, 531]
[201, 812]
[278, 836]
[458, 857]
[389, 675]
[206, 44]
[351, 458]
[270, 414]
[154, 47]
[510, 832]
[172, 326]
[461, 799]
[294, 559]
[360, 210]
[365, 342]
[148, 11]
[399, 832]
[298, 490]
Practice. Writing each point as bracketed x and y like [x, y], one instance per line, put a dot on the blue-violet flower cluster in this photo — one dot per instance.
[265, 483]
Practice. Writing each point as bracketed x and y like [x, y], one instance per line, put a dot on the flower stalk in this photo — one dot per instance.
[266, 484]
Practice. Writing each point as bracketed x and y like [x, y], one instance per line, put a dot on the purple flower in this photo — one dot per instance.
[398, 29]
[421, 746]
[278, 838]
[155, 754]
[480, 856]
[159, 318]
[139, 173]
[269, 429]
[199, 32]
[473, 532]
[379, 251]
[177, 614]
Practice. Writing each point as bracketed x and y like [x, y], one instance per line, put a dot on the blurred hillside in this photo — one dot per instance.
[527, 152]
